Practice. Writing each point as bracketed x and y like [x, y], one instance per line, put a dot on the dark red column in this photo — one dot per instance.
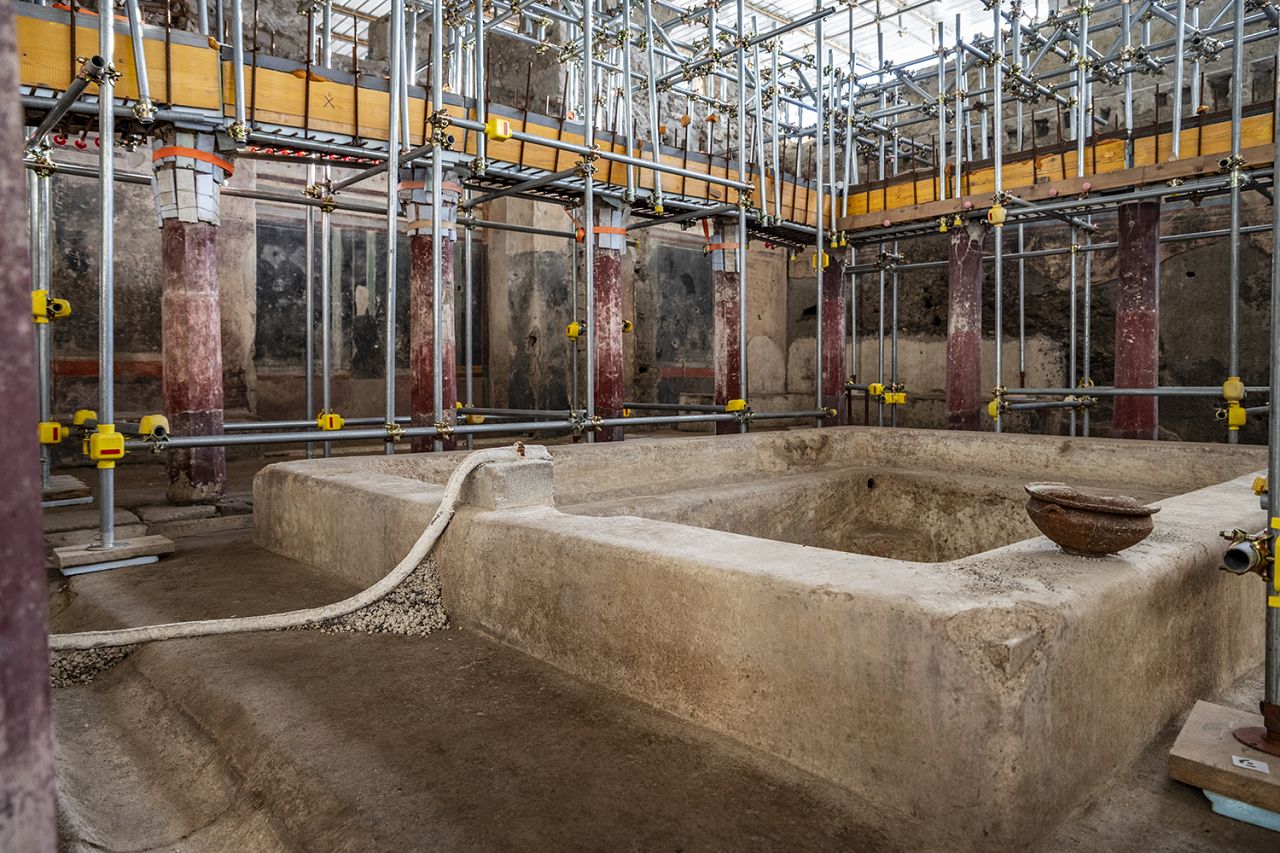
[26, 723]
[191, 327]
[834, 326]
[1138, 320]
[422, 338]
[964, 325]
[726, 318]
[609, 383]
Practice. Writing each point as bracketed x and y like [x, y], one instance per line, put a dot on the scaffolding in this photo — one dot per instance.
[677, 112]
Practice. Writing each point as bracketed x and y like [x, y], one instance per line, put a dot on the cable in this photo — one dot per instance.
[297, 618]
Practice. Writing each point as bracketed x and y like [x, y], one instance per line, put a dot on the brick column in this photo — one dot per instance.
[835, 323]
[1138, 320]
[610, 385]
[415, 190]
[964, 325]
[186, 178]
[726, 314]
[26, 722]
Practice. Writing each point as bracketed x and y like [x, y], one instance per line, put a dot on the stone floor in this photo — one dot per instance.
[303, 740]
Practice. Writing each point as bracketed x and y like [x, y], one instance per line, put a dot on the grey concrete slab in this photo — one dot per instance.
[157, 513]
[62, 520]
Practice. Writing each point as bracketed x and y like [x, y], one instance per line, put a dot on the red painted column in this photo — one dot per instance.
[188, 175]
[835, 323]
[1138, 320]
[964, 325]
[726, 314]
[422, 338]
[415, 193]
[26, 722]
[191, 328]
[610, 383]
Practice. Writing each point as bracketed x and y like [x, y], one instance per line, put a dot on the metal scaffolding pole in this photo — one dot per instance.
[1233, 296]
[106, 274]
[393, 199]
[589, 204]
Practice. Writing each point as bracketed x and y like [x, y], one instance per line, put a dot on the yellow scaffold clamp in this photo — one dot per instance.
[627, 327]
[997, 404]
[1273, 597]
[574, 330]
[51, 432]
[105, 446]
[153, 426]
[83, 417]
[1233, 393]
[497, 129]
[735, 406]
[330, 421]
[826, 260]
[469, 419]
[997, 215]
[1260, 486]
[45, 307]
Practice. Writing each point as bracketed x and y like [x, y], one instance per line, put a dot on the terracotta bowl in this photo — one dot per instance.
[1088, 525]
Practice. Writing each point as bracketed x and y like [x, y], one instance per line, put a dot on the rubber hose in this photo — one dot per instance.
[297, 618]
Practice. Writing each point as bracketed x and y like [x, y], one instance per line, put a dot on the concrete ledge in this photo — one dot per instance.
[984, 695]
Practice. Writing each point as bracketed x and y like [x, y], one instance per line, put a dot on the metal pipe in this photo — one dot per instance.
[820, 254]
[240, 129]
[997, 86]
[481, 78]
[741, 250]
[396, 37]
[589, 203]
[523, 187]
[655, 138]
[38, 223]
[326, 312]
[106, 269]
[92, 71]
[1107, 391]
[437, 243]
[1237, 108]
[309, 271]
[144, 109]
[611, 156]
[1179, 42]
[378, 169]
[1271, 675]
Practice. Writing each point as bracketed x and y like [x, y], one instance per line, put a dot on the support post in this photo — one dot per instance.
[834, 318]
[726, 301]
[26, 720]
[186, 180]
[1138, 320]
[964, 325]
[610, 246]
[415, 193]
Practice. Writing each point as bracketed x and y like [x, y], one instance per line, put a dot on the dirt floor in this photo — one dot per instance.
[450, 742]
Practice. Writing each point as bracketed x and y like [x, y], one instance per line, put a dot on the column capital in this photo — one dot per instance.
[186, 176]
[415, 196]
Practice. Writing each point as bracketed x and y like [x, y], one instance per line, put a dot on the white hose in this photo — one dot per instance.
[298, 618]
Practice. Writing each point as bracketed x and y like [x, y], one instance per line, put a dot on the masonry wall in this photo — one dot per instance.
[524, 293]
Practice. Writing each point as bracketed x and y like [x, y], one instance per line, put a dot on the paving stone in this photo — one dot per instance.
[65, 487]
[160, 513]
[89, 535]
[202, 526]
[60, 521]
